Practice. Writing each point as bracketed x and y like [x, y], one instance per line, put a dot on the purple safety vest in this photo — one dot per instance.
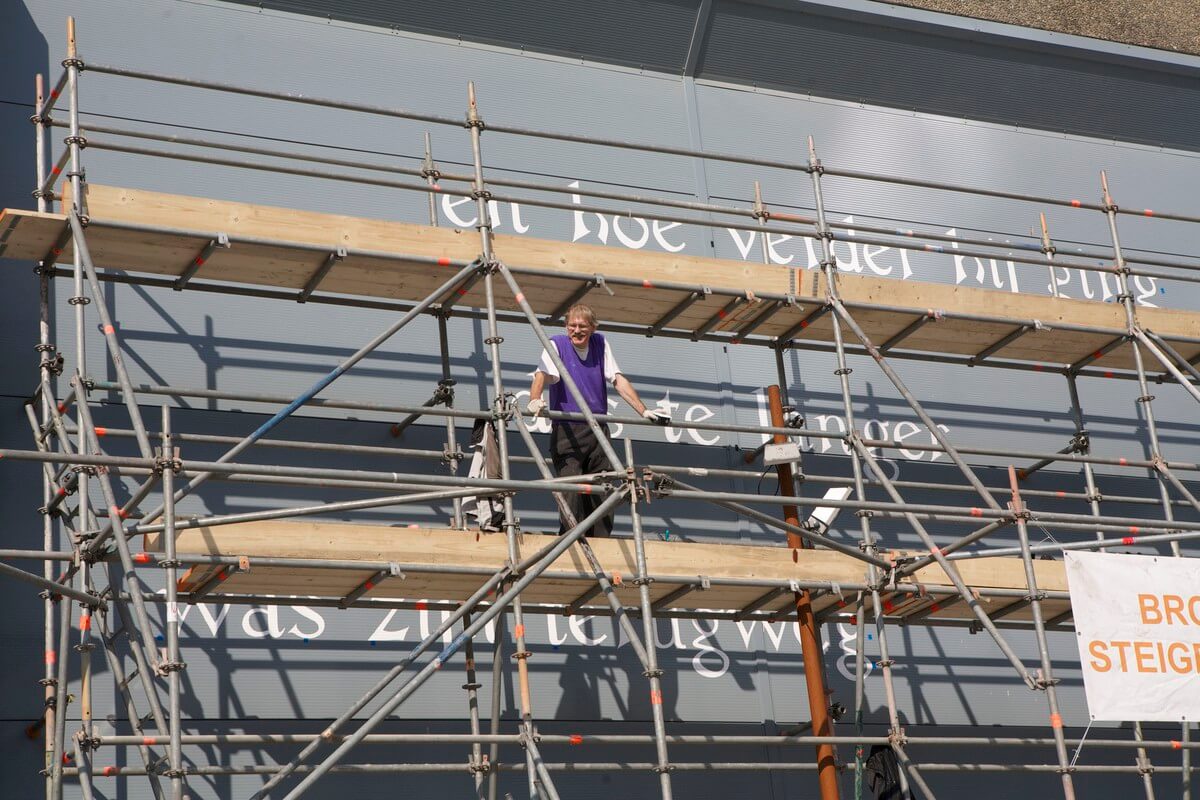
[587, 372]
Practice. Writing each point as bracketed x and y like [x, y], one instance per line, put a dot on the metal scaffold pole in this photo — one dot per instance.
[1145, 401]
[173, 666]
[502, 412]
[841, 313]
[870, 548]
[1046, 681]
[649, 637]
[73, 142]
[45, 370]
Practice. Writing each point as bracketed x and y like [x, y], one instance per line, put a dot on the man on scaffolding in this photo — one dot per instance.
[574, 449]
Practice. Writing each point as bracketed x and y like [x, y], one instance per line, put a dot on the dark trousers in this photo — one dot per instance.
[575, 450]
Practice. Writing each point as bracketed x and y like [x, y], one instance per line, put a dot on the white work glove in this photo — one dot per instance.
[656, 416]
[536, 408]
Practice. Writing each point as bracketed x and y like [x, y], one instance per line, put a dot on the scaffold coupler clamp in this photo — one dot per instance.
[85, 742]
[474, 120]
[646, 581]
[510, 574]
[661, 485]
[1081, 442]
[505, 406]
[52, 360]
[761, 212]
[1020, 512]
[1042, 681]
[165, 668]
[452, 457]
[897, 736]
[164, 462]
[481, 767]
[444, 393]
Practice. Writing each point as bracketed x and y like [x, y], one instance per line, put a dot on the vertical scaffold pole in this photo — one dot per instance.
[494, 717]
[44, 348]
[472, 689]
[1046, 682]
[810, 639]
[39, 126]
[1145, 399]
[1083, 446]
[79, 300]
[653, 672]
[501, 413]
[60, 699]
[1049, 250]
[431, 174]
[168, 462]
[85, 648]
[77, 217]
[762, 215]
[840, 311]
[446, 388]
[895, 733]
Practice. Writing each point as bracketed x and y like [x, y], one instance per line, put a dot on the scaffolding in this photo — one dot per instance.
[834, 316]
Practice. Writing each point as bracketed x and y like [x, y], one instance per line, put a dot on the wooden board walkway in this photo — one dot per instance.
[30, 235]
[472, 556]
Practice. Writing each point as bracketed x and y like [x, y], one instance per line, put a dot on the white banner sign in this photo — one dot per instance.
[1137, 619]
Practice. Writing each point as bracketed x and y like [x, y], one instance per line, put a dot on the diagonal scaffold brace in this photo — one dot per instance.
[497, 607]
[321, 384]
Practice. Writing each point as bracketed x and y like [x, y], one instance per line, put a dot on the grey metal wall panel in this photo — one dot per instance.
[652, 34]
[864, 61]
[931, 62]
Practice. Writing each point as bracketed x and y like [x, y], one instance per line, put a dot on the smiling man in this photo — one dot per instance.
[574, 448]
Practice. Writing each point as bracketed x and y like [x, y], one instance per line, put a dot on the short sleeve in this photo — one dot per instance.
[611, 370]
[547, 366]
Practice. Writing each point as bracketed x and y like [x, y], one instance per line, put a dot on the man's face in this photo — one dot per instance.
[579, 330]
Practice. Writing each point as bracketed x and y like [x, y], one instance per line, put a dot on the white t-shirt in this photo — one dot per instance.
[611, 370]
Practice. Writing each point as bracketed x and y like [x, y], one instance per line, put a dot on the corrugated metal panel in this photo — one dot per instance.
[854, 59]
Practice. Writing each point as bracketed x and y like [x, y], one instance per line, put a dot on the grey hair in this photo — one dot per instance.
[581, 310]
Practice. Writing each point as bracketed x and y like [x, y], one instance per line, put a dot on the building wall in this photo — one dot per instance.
[751, 79]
